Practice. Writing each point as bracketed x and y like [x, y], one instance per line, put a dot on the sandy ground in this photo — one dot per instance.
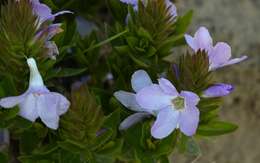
[238, 23]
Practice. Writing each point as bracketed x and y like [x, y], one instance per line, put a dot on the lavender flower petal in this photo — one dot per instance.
[43, 12]
[167, 87]
[140, 79]
[172, 8]
[189, 120]
[191, 98]
[228, 63]
[128, 100]
[28, 106]
[218, 90]
[153, 98]
[166, 122]
[219, 55]
[10, 102]
[47, 108]
[132, 120]
[202, 40]
[63, 103]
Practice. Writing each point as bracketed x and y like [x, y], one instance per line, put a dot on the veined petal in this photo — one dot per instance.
[230, 62]
[220, 54]
[63, 103]
[28, 108]
[203, 39]
[165, 123]
[132, 120]
[128, 100]
[189, 120]
[218, 90]
[167, 87]
[41, 10]
[48, 32]
[47, 107]
[10, 102]
[172, 8]
[44, 13]
[140, 79]
[191, 99]
[190, 41]
[153, 98]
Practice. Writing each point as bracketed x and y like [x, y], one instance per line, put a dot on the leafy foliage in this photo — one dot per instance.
[86, 113]
[192, 72]
[103, 60]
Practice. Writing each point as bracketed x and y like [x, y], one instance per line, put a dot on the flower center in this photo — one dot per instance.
[178, 103]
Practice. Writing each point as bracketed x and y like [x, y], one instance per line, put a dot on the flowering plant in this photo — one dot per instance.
[75, 90]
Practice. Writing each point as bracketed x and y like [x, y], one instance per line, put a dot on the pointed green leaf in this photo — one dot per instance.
[216, 128]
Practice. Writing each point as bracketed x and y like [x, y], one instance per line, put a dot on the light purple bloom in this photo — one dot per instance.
[43, 12]
[38, 101]
[140, 79]
[218, 90]
[47, 33]
[174, 110]
[172, 8]
[219, 55]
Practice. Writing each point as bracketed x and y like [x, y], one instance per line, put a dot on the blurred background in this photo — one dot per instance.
[236, 22]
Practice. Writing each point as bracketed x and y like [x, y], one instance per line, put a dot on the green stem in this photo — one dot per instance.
[106, 41]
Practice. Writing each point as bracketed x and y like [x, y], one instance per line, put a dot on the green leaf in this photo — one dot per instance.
[216, 128]
[164, 159]
[46, 149]
[28, 142]
[3, 158]
[2, 93]
[112, 120]
[118, 10]
[8, 86]
[166, 146]
[193, 147]
[102, 139]
[70, 29]
[64, 72]
[8, 114]
[183, 22]
[86, 113]
[71, 146]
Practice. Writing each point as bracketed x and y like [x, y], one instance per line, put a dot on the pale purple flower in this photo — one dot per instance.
[219, 55]
[172, 8]
[43, 12]
[140, 79]
[174, 110]
[38, 101]
[47, 33]
[218, 90]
